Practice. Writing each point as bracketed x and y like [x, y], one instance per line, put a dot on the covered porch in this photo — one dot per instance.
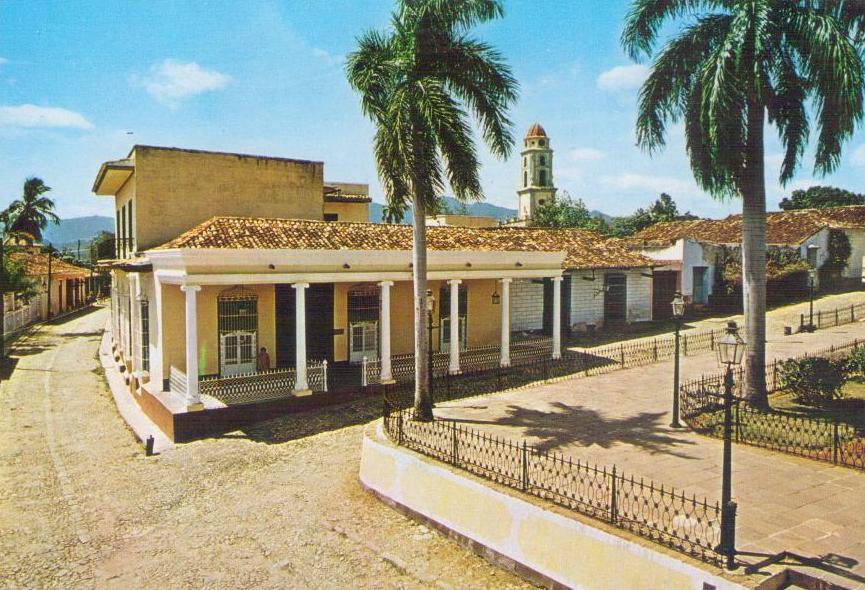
[248, 336]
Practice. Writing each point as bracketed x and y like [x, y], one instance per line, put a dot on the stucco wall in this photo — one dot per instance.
[639, 295]
[857, 251]
[176, 190]
[558, 548]
[356, 212]
[587, 298]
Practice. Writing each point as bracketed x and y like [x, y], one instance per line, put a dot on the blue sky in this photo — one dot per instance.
[81, 82]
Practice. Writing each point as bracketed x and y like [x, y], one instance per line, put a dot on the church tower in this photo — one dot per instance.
[536, 174]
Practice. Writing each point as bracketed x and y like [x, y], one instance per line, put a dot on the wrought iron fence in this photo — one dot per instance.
[645, 508]
[829, 318]
[625, 355]
[830, 440]
[250, 388]
[472, 360]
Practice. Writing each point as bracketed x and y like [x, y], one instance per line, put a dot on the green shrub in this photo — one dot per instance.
[813, 380]
[855, 363]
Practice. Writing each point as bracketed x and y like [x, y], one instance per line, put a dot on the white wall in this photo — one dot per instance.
[639, 295]
[527, 305]
[587, 298]
[857, 251]
[689, 254]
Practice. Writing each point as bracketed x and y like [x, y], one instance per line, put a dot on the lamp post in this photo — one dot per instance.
[731, 350]
[678, 304]
[812, 278]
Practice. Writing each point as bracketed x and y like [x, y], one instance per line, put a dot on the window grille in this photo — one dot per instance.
[238, 331]
[145, 335]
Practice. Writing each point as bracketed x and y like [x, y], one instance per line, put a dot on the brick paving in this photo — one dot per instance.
[785, 502]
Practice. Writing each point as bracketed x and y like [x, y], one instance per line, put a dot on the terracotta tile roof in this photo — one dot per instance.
[585, 249]
[536, 130]
[36, 264]
[783, 228]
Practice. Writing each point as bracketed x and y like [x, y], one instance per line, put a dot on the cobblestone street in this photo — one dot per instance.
[275, 506]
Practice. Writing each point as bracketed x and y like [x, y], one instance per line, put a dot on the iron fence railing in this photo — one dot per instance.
[639, 353]
[662, 514]
[250, 388]
[829, 318]
[472, 360]
[822, 439]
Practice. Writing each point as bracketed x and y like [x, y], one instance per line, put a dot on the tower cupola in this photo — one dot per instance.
[536, 187]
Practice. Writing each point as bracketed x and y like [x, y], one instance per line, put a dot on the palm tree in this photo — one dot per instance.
[734, 65]
[33, 211]
[419, 82]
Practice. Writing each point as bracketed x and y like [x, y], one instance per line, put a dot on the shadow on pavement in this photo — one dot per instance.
[575, 425]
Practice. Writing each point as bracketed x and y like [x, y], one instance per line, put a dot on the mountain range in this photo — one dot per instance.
[67, 233]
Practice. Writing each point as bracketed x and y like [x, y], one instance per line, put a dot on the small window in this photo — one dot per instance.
[543, 143]
[331, 217]
[543, 161]
[543, 177]
[525, 179]
[541, 201]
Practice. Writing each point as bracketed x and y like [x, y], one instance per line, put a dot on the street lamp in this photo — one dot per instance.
[731, 350]
[678, 304]
[812, 280]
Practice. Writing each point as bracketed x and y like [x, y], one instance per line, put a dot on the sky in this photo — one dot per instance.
[83, 81]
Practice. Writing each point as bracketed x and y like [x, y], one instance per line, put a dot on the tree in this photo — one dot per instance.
[418, 82]
[821, 197]
[12, 277]
[663, 209]
[732, 66]
[566, 212]
[33, 211]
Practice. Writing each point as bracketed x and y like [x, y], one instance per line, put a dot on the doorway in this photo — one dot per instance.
[665, 284]
[615, 298]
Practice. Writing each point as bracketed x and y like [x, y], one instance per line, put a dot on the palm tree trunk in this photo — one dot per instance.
[753, 195]
[422, 398]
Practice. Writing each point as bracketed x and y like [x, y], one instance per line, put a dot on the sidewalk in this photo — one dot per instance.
[623, 417]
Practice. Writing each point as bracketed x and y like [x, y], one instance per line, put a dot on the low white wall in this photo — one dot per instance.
[857, 251]
[527, 305]
[557, 548]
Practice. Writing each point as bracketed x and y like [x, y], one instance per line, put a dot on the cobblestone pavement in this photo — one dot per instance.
[623, 417]
[276, 506]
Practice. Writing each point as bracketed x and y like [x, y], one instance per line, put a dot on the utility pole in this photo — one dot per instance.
[48, 315]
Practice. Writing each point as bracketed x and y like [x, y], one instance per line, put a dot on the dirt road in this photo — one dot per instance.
[275, 506]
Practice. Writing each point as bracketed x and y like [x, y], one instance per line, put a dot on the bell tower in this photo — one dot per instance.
[536, 174]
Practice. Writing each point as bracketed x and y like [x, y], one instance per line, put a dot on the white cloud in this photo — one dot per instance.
[857, 158]
[172, 81]
[329, 58]
[586, 155]
[30, 115]
[651, 184]
[623, 77]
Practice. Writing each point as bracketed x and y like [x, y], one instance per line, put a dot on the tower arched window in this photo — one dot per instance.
[542, 177]
[525, 179]
[543, 160]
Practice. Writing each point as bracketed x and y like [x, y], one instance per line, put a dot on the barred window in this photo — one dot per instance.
[145, 335]
[238, 331]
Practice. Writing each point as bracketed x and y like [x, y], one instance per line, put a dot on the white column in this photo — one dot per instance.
[301, 385]
[506, 323]
[157, 370]
[386, 373]
[192, 397]
[454, 365]
[557, 317]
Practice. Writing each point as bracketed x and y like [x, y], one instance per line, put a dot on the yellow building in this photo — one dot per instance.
[241, 278]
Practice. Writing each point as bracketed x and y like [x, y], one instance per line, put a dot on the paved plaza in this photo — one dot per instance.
[622, 418]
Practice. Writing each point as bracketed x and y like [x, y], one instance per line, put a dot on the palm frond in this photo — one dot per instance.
[646, 17]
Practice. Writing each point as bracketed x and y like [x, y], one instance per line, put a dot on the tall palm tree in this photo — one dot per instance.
[33, 211]
[419, 83]
[733, 65]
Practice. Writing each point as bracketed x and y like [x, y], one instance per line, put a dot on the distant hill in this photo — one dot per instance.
[69, 231]
[486, 209]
